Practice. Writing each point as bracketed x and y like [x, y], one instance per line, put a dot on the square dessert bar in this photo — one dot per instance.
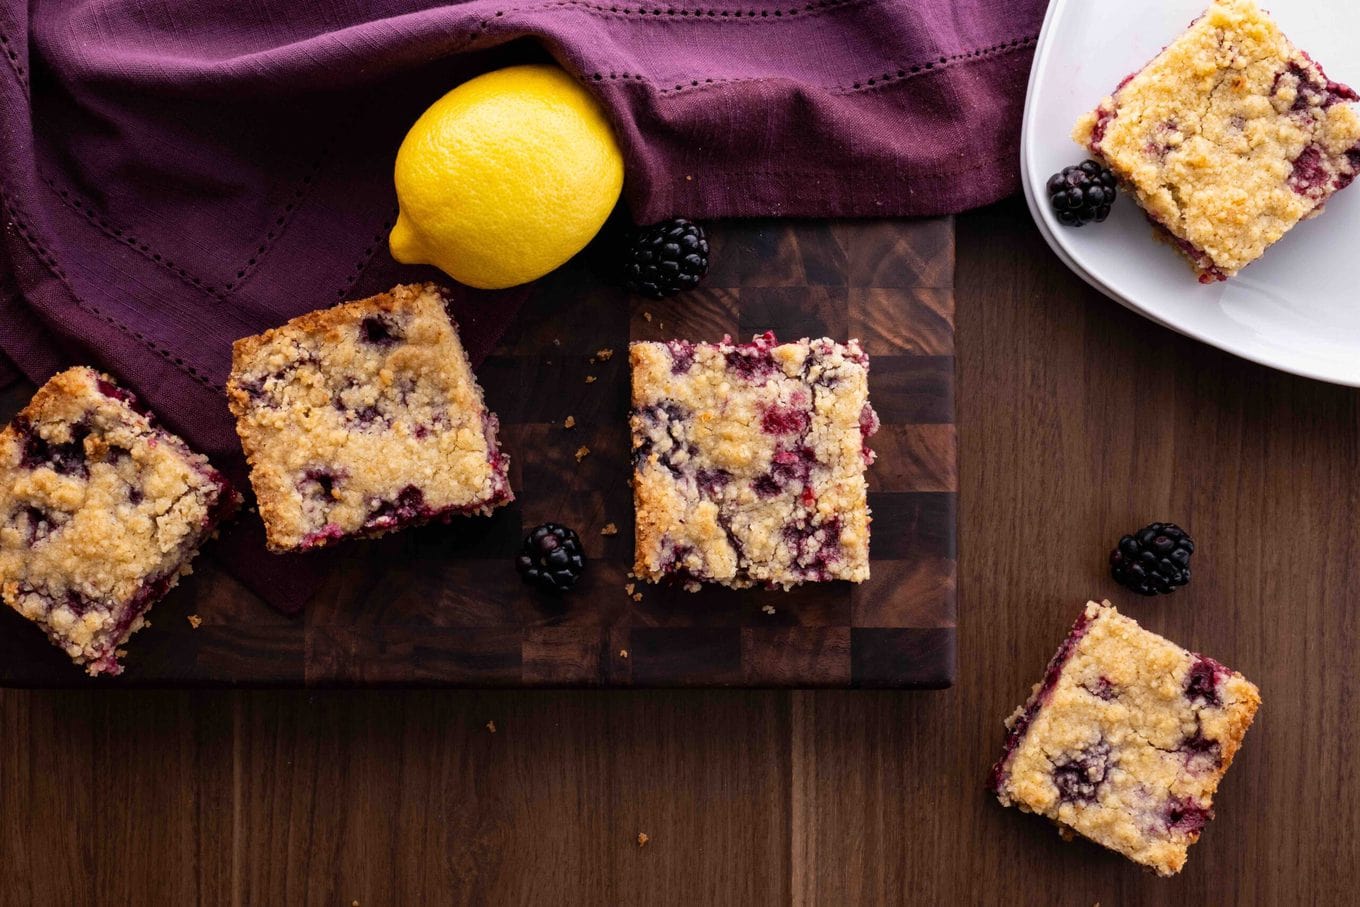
[1125, 739]
[363, 419]
[1228, 138]
[102, 513]
[749, 461]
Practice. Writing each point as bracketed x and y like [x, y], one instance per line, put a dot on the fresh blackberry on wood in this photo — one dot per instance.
[551, 558]
[1081, 193]
[1154, 560]
[665, 258]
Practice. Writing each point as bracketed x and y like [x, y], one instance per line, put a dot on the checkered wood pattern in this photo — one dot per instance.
[443, 605]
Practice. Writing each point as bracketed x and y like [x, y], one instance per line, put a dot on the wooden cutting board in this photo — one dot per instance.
[443, 605]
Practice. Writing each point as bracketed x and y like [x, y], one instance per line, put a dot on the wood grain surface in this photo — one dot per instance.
[443, 605]
[1078, 421]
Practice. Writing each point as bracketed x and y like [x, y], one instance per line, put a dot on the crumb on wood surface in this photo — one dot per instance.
[637, 596]
[491, 727]
[195, 621]
[643, 838]
[582, 452]
[604, 354]
[648, 316]
[590, 379]
[569, 422]
[629, 588]
[768, 609]
[623, 653]
[609, 529]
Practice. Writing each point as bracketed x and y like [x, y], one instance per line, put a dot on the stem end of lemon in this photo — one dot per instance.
[404, 244]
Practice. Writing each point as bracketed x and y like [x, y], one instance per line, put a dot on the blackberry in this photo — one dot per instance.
[1154, 560]
[551, 558]
[1081, 193]
[665, 258]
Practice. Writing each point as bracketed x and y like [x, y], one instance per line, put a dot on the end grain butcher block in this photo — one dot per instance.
[443, 605]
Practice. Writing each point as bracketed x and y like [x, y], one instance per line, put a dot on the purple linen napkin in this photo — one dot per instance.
[177, 175]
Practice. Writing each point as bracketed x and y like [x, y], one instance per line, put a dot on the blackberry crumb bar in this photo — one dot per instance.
[1125, 739]
[362, 419]
[749, 461]
[1228, 138]
[103, 512]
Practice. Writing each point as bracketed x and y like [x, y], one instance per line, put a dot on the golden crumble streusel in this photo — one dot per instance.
[102, 513]
[1126, 739]
[1228, 138]
[749, 461]
[364, 418]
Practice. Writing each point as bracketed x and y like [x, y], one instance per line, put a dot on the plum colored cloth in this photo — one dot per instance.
[177, 175]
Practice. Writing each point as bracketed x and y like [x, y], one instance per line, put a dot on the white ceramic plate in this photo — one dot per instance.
[1298, 307]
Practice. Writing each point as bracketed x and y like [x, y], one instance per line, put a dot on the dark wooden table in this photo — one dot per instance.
[1077, 420]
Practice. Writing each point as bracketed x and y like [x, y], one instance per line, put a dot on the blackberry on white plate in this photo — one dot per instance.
[1081, 193]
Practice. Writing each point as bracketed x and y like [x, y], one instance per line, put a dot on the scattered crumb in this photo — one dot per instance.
[688, 178]
[491, 726]
[663, 325]
[768, 609]
[648, 316]
[556, 342]
[609, 529]
[623, 653]
[637, 596]
[604, 354]
[195, 621]
[569, 422]
[692, 587]
[630, 587]
[590, 379]
[354, 903]
[120, 653]
[582, 452]
[643, 838]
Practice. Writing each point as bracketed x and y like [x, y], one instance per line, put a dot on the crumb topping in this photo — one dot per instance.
[1126, 739]
[364, 418]
[749, 461]
[1228, 138]
[102, 513]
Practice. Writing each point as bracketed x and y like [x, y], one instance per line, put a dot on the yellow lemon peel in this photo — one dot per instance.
[505, 178]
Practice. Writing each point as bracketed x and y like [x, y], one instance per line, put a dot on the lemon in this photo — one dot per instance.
[505, 178]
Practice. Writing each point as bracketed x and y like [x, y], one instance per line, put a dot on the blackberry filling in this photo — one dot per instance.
[1079, 777]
